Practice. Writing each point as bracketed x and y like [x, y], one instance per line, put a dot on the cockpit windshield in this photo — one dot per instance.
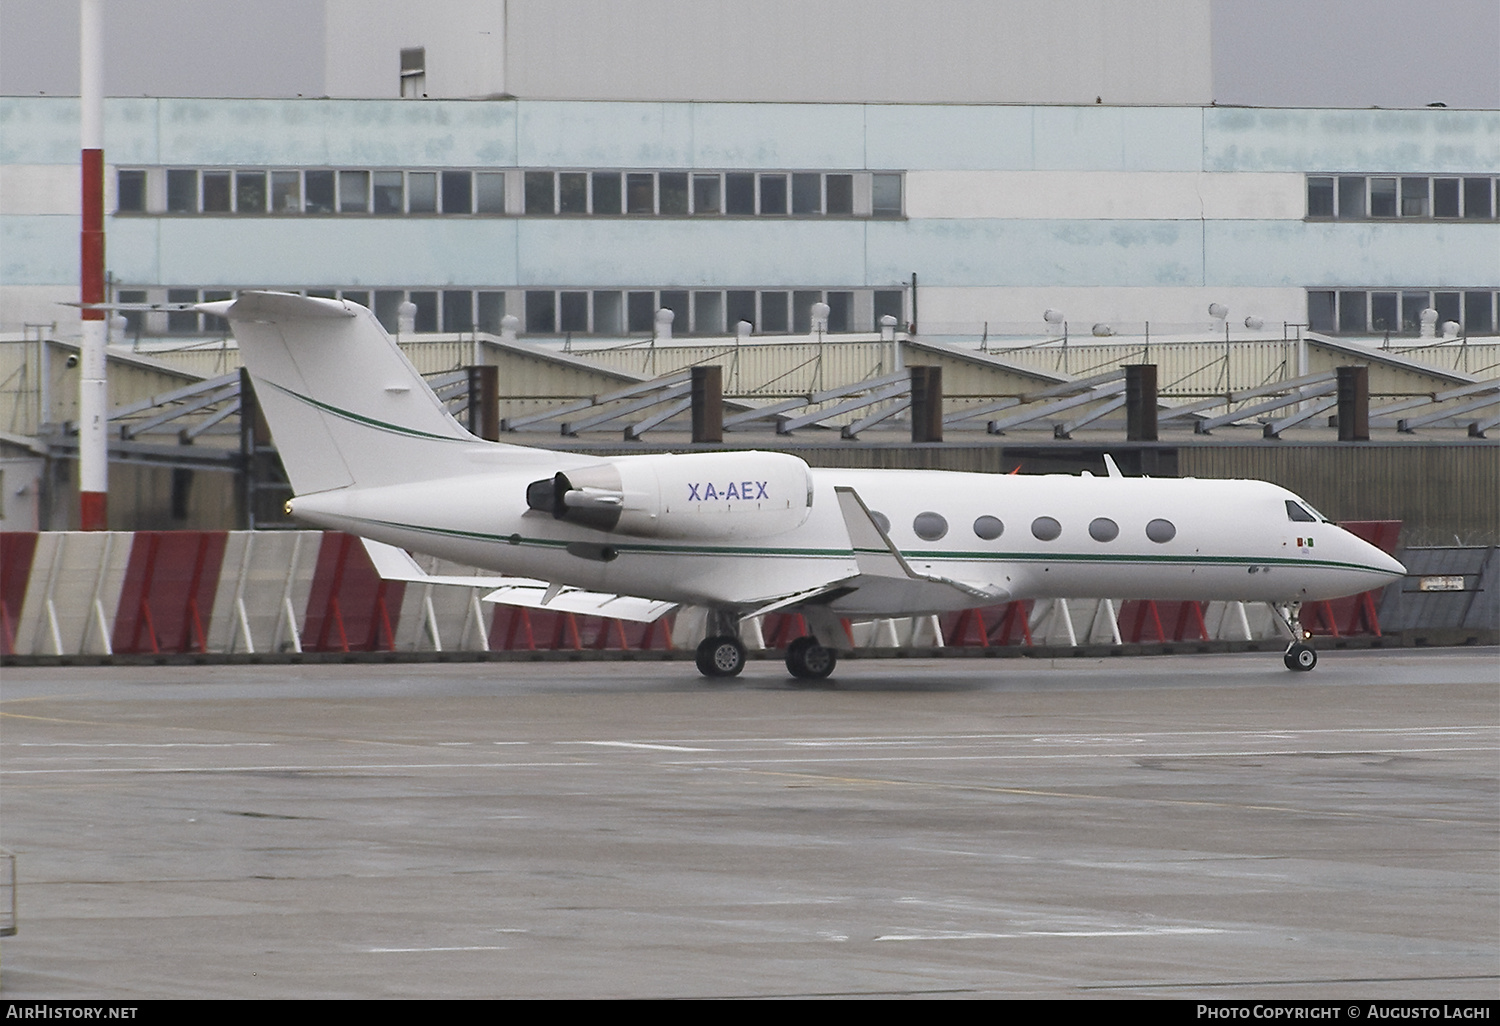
[1302, 513]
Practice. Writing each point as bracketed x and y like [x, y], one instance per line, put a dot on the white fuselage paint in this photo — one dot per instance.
[1233, 540]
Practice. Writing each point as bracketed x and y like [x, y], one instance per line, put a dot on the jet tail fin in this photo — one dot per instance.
[345, 405]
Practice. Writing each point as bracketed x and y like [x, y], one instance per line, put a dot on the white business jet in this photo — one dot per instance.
[371, 450]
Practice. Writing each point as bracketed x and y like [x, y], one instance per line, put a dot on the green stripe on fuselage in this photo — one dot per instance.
[644, 548]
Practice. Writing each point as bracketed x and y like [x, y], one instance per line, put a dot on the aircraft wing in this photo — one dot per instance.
[395, 564]
[885, 579]
[537, 595]
[880, 561]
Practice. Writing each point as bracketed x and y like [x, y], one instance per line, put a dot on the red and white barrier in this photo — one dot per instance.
[253, 592]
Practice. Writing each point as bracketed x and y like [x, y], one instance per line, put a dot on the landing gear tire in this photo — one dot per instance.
[808, 660]
[721, 657]
[1300, 656]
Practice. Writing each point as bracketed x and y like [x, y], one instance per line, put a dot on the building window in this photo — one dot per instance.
[739, 194]
[572, 193]
[708, 313]
[1399, 311]
[413, 72]
[1479, 198]
[1320, 198]
[250, 192]
[458, 192]
[458, 310]
[640, 310]
[541, 313]
[1410, 197]
[388, 193]
[1320, 310]
[1445, 197]
[672, 190]
[130, 192]
[391, 192]
[421, 192]
[1351, 198]
[1384, 315]
[491, 307]
[773, 313]
[607, 192]
[1354, 312]
[807, 194]
[216, 192]
[135, 320]
[609, 312]
[1479, 313]
[706, 194]
[739, 306]
[640, 194]
[286, 192]
[574, 308]
[1415, 196]
[489, 193]
[885, 195]
[840, 195]
[1382, 197]
[772, 194]
[318, 188]
[354, 192]
[427, 311]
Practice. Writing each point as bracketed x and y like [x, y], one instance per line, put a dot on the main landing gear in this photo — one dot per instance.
[808, 660]
[1299, 654]
[721, 655]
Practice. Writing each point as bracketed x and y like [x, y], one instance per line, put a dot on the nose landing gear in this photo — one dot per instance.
[1299, 654]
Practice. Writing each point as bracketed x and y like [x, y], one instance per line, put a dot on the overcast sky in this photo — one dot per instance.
[1314, 53]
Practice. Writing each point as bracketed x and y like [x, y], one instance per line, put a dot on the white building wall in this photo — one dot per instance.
[1108, 213]
[1109, 195]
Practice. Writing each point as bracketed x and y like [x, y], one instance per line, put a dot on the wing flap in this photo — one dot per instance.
[534, 595]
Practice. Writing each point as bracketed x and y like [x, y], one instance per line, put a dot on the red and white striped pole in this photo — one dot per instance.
[93, 391]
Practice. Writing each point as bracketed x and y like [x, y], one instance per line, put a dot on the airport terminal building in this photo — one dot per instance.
[582, 176]
[990, 167]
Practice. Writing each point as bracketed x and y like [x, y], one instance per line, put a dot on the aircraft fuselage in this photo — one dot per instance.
[1028, 536]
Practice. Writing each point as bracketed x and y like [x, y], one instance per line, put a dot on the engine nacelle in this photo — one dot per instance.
[705, 496]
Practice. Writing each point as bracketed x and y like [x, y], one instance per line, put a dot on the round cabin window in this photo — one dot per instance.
[930, 526]
[1161, 531]
[989, 528]
[1104, 529]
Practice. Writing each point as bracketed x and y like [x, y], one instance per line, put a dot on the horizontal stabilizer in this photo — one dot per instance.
[395, 564]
